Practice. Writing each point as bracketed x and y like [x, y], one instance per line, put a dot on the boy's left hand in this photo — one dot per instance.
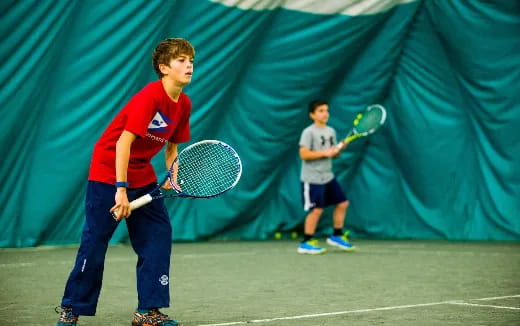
[171, 185]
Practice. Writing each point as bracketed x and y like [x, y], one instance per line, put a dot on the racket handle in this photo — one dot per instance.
[344, 142]
[136, 203]
[141, 201]
[352, 138]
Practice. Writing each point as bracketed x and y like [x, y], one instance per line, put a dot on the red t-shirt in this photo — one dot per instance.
[156, 119]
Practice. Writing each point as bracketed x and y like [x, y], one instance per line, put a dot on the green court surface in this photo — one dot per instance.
[268, 283]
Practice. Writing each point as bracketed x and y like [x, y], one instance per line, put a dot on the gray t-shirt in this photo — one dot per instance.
[316, 139]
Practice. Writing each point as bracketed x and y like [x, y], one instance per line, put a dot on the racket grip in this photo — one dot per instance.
[352, 138]
[141, 201]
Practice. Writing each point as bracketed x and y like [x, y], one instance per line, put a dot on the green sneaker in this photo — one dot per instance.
[67, 318]
[341, 242]
[310, 247]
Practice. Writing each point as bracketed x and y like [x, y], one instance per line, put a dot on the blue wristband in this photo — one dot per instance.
[121, 184]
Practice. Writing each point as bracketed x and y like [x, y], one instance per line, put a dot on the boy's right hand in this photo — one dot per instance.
[122, 207]
[341, 146]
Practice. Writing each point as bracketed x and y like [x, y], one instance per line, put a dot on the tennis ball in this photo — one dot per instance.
[294, 235]
[356, 122]
[359, 116]
[277, 235]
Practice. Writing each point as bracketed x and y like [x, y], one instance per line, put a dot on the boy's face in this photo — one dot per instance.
[180, 70]
[320, 114]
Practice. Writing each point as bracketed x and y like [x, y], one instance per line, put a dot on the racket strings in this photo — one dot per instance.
[208, 169]
[370, 121]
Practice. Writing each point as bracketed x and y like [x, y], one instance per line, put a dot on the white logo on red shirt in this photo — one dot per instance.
[159, 122]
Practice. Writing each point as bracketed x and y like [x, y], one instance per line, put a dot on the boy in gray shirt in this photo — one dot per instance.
[319, 186]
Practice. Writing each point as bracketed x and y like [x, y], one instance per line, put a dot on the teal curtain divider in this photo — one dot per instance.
[445, 166]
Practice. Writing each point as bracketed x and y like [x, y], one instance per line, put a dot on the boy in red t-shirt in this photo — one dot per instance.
[121, 171]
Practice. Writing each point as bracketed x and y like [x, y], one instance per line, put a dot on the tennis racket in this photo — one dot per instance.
[365, 123]
[204, 169]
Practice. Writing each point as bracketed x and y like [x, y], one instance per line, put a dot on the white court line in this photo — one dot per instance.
[329, 314]
[267, 320]
[483, 305]
[498, 298]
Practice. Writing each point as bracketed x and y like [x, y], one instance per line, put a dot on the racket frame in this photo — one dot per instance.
[355, 134]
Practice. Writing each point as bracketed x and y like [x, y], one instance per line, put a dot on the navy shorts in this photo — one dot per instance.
[321, 196]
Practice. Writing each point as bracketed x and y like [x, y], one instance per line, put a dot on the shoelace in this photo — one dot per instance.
[66, 314]
[345, 236]
[159, 315]
[153, 316]
[313, 242]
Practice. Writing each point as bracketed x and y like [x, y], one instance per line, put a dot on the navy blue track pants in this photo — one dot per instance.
[150, 234]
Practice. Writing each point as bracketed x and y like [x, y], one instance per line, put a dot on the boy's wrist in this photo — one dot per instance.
[121, 184]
